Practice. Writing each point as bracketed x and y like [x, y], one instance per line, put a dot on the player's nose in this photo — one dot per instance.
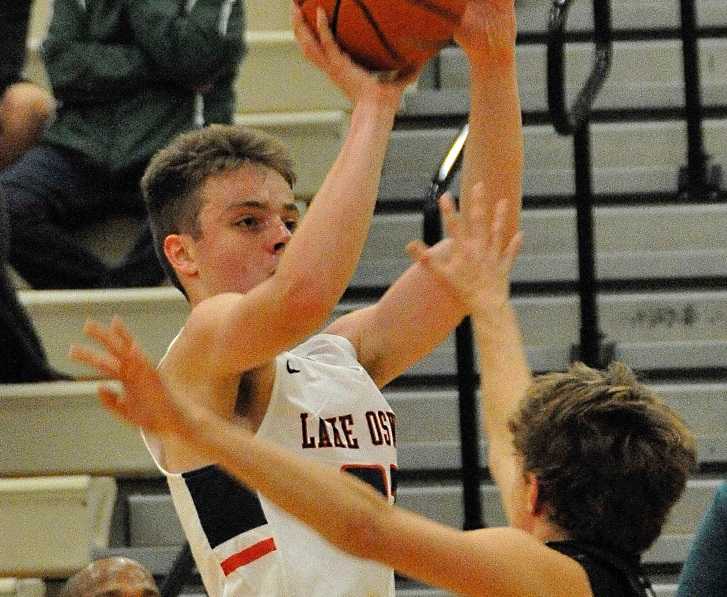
[280, 236]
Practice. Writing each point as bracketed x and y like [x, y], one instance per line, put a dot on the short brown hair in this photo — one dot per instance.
[176, 173]
[609, 456]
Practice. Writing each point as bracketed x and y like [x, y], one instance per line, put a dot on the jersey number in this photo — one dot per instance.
[375, 475]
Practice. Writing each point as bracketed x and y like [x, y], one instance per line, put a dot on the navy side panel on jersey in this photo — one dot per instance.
[226, 508]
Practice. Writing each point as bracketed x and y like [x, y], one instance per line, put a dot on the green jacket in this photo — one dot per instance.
[127, 73]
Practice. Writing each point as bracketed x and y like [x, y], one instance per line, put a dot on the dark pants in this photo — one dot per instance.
[44, 198]
[49, 194]
[22, 358]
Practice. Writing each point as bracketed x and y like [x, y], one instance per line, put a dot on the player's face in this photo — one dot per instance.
[246, 220]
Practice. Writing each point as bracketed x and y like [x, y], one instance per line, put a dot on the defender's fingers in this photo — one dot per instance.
[512, 250]
[113, 401]
[104, 336]
[450, 217]
[102, 363]
[122, 332]
[497, 235]
[418, 251]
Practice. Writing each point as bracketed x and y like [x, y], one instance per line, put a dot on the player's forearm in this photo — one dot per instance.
[494, 150]
[326, 248]
[503, 363]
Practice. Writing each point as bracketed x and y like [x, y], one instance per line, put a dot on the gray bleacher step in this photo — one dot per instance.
[80, 437]
[646, 242]
[153, 523]
[653, 330]
[644, 74]
[660, 590]
[428, 423]
[157, 559]
[643, 157]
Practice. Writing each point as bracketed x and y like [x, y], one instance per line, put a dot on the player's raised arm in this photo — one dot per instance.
[243, 331]
[478, 270]
[494, 150]
[417, 312]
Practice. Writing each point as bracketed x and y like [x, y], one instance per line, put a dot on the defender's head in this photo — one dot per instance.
[220, 204]
[609, 458]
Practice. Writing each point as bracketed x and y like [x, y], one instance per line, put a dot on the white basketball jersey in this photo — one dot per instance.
[323, 406]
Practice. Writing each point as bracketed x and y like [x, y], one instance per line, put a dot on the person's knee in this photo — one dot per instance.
[27, 103]
[26, 110]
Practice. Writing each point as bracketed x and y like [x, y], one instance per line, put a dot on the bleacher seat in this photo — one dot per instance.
[51, 525]
[153, 521]
[60, 428]
[22, 587]
[660, 241]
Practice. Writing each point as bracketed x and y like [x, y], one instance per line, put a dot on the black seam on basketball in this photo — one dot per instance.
[441, 11]
[334, 17]
[380, 34]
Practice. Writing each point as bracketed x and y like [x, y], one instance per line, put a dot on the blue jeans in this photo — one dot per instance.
[48, 194]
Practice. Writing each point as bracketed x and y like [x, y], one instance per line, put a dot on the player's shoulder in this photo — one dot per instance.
[327, 347]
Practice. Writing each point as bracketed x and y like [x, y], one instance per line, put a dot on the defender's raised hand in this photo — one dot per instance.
[144, 401]
[478, 261]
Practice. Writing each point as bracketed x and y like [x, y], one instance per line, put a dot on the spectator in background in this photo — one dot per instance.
[128, 75]
[705, 571]
[118, 576]
[25, 108]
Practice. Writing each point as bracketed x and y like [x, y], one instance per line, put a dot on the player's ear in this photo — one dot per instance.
[179, 250]
[533, 494]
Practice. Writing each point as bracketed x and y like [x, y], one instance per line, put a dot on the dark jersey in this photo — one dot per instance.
[610, 574]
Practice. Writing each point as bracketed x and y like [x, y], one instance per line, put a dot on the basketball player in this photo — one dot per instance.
[588, 463]
[222, 209]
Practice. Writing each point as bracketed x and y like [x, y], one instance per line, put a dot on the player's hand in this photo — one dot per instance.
[353, 80]
[488, 29]
[144, 402]
[478, 261]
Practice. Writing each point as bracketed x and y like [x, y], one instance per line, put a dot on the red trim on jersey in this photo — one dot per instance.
[248, 555]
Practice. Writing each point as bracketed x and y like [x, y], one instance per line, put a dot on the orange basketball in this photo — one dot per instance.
[388, 34]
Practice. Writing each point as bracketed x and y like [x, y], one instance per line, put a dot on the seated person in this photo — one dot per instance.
[128, 76]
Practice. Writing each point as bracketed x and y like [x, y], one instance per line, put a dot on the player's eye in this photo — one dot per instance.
[291, 224]
[249, 222]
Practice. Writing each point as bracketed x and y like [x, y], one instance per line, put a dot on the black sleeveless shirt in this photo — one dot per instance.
[610, 574]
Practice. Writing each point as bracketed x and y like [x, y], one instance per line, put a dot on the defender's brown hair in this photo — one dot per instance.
[610, 458]
[175, 175]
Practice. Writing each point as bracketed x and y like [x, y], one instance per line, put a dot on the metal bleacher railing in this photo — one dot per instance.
[698, 180]
[576, 122]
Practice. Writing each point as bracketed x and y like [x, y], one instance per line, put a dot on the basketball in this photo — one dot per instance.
[388, 34]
